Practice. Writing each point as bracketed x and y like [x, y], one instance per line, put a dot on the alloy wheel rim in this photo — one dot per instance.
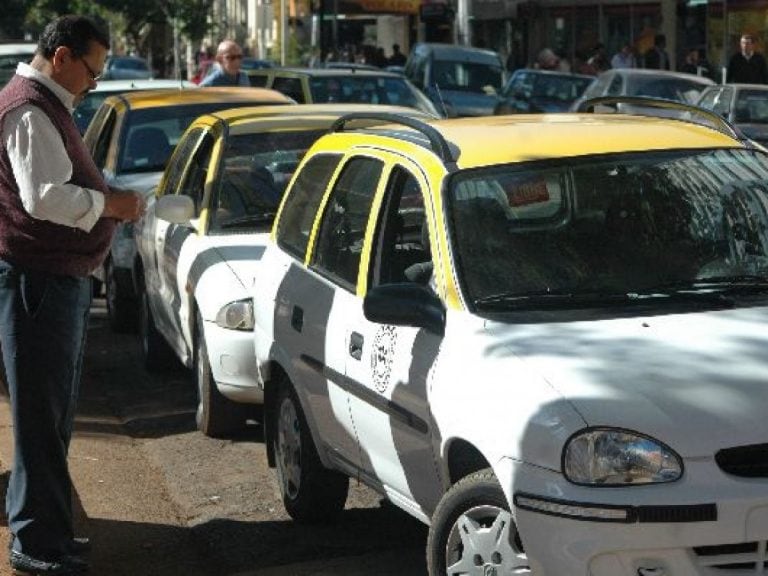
[288, 453]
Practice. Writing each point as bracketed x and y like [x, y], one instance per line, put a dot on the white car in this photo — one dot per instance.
[200, 242]
[542, 335]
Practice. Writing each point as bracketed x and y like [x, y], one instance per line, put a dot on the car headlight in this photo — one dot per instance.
[236, 315]
[613, 457]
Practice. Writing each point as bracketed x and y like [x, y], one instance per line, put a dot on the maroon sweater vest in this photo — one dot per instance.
[39, 244]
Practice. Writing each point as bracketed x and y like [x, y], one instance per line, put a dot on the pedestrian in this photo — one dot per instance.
[624, 58]
[693, 63]
[397, 58]
[657, 58]
[57, 219]
[226, 71]
[747, 66]
[599, 61]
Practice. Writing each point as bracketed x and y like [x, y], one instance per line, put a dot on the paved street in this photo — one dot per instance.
[158, 498]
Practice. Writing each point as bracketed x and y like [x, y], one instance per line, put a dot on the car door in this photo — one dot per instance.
[388, 367]
[186, 176]
[307, 305]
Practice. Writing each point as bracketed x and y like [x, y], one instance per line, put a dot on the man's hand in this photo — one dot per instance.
[127, 205]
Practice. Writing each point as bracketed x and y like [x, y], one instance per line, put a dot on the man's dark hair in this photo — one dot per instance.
[74, 32]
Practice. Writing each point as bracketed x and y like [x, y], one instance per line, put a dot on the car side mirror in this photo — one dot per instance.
[175, 209]
[405, 304]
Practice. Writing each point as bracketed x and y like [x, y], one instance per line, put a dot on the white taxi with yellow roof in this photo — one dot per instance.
[199, 245]
[544, 336]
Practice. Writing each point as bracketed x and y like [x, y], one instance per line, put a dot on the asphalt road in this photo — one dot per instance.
[157, 498]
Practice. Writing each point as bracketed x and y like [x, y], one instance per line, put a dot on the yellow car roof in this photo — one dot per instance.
[176, 97]
[491, 140]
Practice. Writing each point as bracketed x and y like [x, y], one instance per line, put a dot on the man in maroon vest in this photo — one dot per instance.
[57, 218]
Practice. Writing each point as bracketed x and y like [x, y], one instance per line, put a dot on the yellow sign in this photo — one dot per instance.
[390, 6]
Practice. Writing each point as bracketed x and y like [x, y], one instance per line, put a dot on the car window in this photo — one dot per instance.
[193, 183]
[301, 205]
[342, 231]
[106, 124]
[291, 87]
[466, 76]
[258, 80]
[255, 170]
[402, 252]
[173, 174]
[562, 88]
[752, 106]
[724, 102]
[616, 85]
[623, 224]
[678, 89]
[709, 98]
[521, 85]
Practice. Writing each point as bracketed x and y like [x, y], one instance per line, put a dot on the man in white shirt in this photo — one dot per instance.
[57, 219]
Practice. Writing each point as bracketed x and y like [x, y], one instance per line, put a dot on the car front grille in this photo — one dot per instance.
[734, 559]
[747, 461]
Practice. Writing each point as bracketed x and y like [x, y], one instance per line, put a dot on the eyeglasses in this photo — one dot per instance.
[233, 56]
[94, 77]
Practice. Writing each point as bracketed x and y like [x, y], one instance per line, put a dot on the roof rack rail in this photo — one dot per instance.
[719, 123]
[439, 144]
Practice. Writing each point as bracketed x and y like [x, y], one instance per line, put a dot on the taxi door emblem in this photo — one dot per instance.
[382, 357]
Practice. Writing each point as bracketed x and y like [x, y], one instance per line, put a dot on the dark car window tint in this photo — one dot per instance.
[342, 232]
[616, 84]
[300, 207]
[101, 146]
[175, 170]
[254, 174]
[258, 80]
[291, 87]
[194, 178]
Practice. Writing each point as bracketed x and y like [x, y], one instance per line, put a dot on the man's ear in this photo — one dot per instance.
[61, 56]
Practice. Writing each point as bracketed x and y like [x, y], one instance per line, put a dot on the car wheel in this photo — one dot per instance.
[154, 349]
[310, 492]
[473, 532]
[217, 416]
[121, 312]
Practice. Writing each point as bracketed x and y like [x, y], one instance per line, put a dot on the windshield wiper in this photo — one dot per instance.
[575, 300]
[250, 220]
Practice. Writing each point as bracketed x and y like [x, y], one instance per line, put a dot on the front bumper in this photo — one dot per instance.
[670, 529]
[233, 363]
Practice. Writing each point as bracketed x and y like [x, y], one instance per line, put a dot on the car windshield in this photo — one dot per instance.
[679, 89]
[368, 90]
[550, 86]
[466, 76]
[616, 225]
[256, 170]
[752, 107]
[84, 112]
[149, 135]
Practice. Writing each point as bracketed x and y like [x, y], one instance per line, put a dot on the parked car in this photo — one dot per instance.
[676, 86]
[201, 239]
[459, 80]
[320, 85]
[744, 105]
[93, 99]
[131, 138]
[544, 336]
[530, 90]
[126, 68]
[11, 53]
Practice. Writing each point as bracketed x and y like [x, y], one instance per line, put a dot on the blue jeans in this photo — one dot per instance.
[43, 323]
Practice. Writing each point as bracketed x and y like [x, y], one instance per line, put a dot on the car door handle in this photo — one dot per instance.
[356, 345]
[297, 318]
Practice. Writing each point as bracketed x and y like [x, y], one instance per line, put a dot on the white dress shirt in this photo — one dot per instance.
[41, 166]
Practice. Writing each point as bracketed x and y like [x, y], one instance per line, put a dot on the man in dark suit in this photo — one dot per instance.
[747, 66]
[657, 57]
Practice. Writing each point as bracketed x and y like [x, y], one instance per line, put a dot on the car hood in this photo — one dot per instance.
[698, 381]
[144, 182]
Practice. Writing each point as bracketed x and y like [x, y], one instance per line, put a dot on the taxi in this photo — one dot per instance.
[542, 335]
[200, 241]
[130, 138]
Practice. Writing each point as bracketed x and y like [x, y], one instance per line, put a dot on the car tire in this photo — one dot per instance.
[155, 351]
[217, 416]
[121, 311]
[473, 532]
[311, 492]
